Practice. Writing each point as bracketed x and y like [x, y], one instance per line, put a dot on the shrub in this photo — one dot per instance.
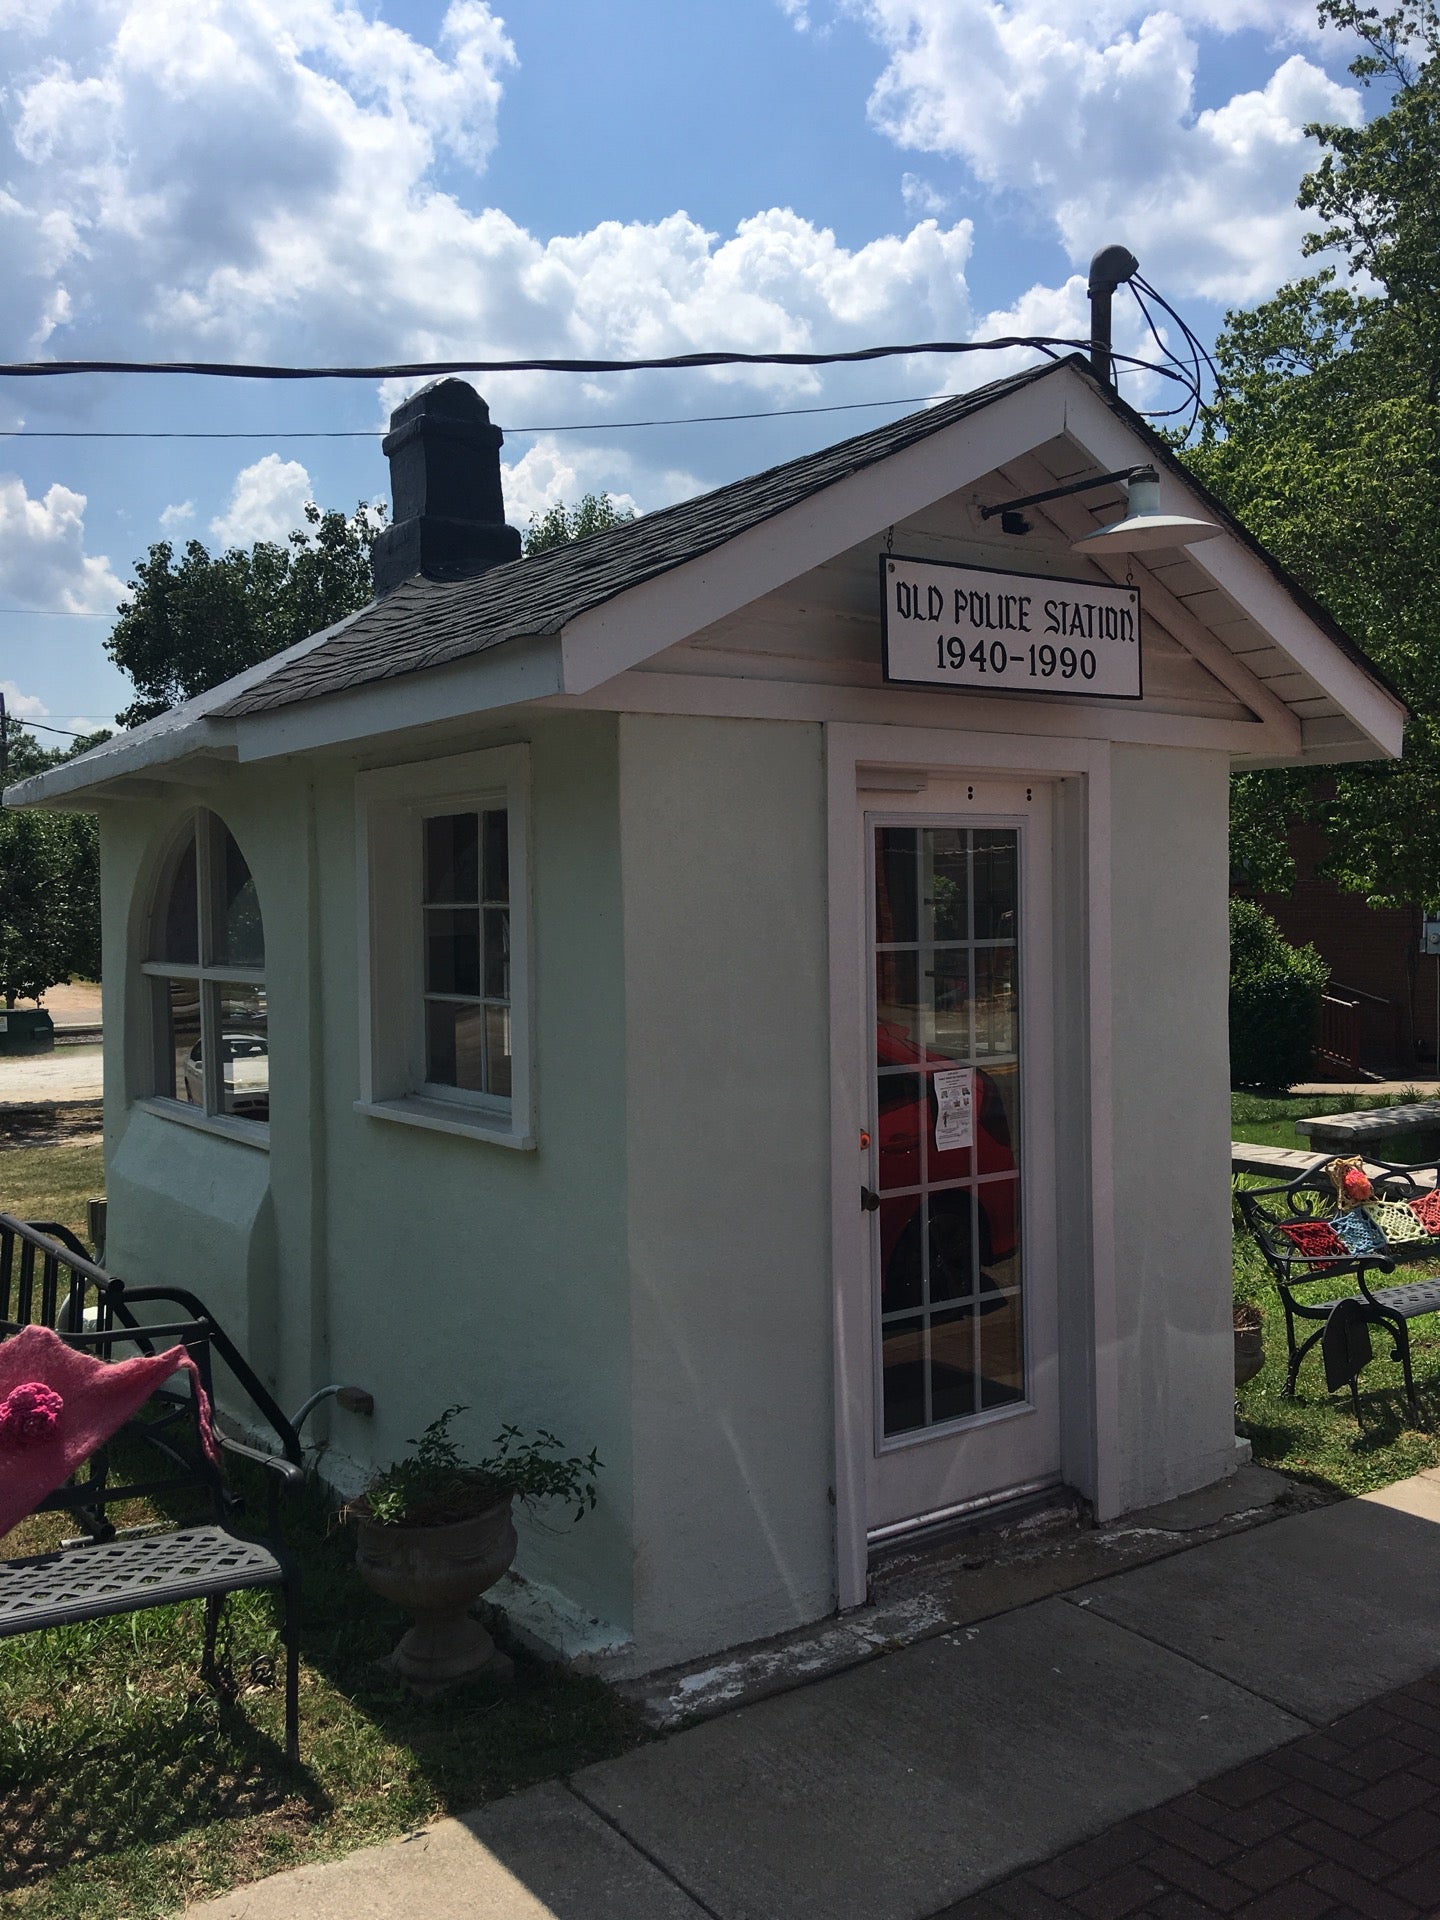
[1275, 994]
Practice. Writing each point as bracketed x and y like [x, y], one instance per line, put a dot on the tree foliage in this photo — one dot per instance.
[558, 525]
[196, 620]
[1325, 441]
[49, 882]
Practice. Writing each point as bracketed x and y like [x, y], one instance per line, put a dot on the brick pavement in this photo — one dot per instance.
[1343, 1822]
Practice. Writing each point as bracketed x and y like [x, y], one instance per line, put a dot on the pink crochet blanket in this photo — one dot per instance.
[58, 1404]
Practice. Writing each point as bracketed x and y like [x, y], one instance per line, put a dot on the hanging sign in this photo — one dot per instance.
[954, 1108]
[945, 625]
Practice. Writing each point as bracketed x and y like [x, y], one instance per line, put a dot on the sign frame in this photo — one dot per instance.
[1068, 689]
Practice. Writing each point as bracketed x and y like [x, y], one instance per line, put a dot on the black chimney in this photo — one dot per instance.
[448, 511]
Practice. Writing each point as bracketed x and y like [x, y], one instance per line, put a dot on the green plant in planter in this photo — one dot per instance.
[436, 1486]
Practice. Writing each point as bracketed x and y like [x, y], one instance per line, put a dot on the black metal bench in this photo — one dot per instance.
[1399, 1226]
[48, 1279]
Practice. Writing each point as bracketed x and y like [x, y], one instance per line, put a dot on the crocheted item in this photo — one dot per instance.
[89, 1400]
[1313, 1238]
[1396, 1220]
[1359, 1231]
[1426, 1209]
[29, 1413]
[1350, 1181]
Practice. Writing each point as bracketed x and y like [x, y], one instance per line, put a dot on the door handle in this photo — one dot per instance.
[869, 1200]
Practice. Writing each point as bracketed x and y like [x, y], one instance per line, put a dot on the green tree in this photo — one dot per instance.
[558, 525]
[1325, 441]
[196, 620]
[49, 882]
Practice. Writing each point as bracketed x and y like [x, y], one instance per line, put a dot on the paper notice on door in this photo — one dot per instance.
[954, 1108]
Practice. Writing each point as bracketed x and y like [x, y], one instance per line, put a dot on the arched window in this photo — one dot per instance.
[206, 966]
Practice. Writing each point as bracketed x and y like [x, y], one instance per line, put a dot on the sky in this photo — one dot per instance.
[319, 183]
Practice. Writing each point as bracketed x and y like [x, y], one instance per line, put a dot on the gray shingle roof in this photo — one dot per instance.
[425, 623]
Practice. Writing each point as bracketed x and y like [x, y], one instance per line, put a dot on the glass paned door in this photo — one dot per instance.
[947, 1137]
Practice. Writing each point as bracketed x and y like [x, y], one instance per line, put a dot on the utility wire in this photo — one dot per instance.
[377, 433]
[1049, 344]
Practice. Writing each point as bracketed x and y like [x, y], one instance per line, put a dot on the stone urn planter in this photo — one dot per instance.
[434, 1531]
[1249, 1343]
[437, 1574]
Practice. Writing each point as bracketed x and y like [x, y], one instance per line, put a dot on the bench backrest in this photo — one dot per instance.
[1401, 1222]
[48, 1279]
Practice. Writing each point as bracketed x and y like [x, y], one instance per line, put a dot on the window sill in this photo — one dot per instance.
[440, 1116]
[245, 1133]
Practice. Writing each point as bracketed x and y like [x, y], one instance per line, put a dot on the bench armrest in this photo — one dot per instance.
[290, 1474]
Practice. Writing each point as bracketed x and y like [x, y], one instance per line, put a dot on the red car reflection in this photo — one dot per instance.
[906, 1106]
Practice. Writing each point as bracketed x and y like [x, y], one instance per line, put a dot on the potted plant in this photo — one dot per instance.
[1249, 1342]
[434, 1531]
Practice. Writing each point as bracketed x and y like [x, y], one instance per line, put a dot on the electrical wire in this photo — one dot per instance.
[377, 433]
[1049, 344]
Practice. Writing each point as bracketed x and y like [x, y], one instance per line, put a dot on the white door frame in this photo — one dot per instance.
[901, 758]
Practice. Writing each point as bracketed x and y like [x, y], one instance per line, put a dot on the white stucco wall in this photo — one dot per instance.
[428, 1268]
[727, 1123]
[1168, 883]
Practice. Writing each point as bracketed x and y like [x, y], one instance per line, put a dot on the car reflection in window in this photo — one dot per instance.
[245, 1062]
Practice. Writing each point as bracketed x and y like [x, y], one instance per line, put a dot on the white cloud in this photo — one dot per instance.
[43, 562]
[267, 502]
[1090, 113]
[921, 195]
[22, 706]
[177, 515]
[550, 473]
[238, 179]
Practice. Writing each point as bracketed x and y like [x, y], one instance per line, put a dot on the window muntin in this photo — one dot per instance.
[206, 966]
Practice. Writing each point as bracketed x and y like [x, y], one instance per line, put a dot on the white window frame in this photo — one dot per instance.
[210, 977]
[391, 805]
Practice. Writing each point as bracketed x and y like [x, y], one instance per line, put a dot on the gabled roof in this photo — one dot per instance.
[425, 623]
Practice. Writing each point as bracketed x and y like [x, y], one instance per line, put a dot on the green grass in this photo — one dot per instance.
[1268, 1120]
[129, 1790]
[1315, 1436]
[52, 1183]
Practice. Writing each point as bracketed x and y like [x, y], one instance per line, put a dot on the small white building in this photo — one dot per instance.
[746, 991]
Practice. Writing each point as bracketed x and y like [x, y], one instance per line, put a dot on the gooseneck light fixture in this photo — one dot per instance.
[1143, 528]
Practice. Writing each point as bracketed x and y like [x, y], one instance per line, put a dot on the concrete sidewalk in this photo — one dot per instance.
[952, 1771]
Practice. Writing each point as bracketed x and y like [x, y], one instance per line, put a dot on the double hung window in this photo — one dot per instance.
[445, 979]
[205, 969]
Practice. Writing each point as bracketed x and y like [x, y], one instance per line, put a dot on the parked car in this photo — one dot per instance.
[245, 1062]
[908, 1103]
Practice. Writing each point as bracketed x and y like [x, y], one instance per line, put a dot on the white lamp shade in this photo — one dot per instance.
[1144, 526]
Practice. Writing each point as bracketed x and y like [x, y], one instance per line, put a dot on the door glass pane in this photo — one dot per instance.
[947, 884]
[948, 979]
[896, 884]
[903, 1362]
[901, 1126]
[945, 1114]
[994, 1000]
[897, 1006]
[952, 1364]
[1002, 1379]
